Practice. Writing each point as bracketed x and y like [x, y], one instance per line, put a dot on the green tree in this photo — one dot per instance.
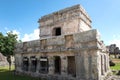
[7, 44]
[1, 42]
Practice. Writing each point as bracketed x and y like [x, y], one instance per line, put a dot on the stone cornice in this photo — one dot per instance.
[64, 11]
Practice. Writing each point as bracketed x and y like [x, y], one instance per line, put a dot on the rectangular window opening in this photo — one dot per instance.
[57, 31]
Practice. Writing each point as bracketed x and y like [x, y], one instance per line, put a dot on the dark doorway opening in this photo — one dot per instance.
[25, 64]
[33, 64]
[71, 66]
[57, 64]
[43, 65]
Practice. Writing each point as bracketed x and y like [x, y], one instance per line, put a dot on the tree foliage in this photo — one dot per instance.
[7, 43]
[113, 49]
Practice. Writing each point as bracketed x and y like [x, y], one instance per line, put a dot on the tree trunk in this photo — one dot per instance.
[9, 61]
[9, 66]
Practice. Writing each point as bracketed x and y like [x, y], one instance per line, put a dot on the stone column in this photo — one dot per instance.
[80, 69]
[102, 64]
[105, 62]
[19, 63]
[51, 65]
[38, 64]
[108, 67]
[29, 67]
[64, 65]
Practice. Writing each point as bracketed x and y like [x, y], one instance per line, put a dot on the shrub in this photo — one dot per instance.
[112, 63]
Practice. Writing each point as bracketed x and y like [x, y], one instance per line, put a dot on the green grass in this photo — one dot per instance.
[5, 74]
[116, 67]
[117, 64]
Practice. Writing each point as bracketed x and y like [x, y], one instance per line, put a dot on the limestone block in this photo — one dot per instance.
[64, 65]
[29, 50]
[85, 36]
[43, 43]
[56, 40]
[19, 45]
[83, 26]
[69, 42]
[51, 65]
[37, 49]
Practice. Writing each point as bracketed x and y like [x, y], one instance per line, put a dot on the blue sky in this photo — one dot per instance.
[21, 16]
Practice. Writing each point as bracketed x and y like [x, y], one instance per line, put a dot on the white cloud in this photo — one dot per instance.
[115, 40]
[26, 37]
[31, 36]
[18, 33]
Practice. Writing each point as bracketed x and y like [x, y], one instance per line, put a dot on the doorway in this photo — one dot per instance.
[33, 63]
[43, 65]
[25, 64]
[57, 62]
[71, 66]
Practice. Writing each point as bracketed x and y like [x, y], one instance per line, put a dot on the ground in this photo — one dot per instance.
[115, 69]
[114, 77]
[5, 74]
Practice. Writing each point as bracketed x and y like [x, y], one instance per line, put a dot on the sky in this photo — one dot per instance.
[21, 16]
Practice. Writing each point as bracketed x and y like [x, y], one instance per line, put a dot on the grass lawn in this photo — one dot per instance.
[117, 64]
[5, 74]
[116, 67]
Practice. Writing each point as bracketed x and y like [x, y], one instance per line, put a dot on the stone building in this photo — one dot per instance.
[3, 60]
[68, 48]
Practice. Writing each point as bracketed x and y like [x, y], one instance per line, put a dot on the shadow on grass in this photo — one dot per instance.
[10, 75]
[2, 70]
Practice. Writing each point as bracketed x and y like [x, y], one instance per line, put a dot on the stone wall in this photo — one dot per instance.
[81, 40]
[91, 60]
[71, 20]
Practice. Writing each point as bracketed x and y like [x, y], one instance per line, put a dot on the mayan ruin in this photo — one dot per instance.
[68, 48]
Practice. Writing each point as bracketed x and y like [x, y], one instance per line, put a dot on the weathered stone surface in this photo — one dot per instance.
[68, 49]
[83, 40]
[71, 20]
[3, 60]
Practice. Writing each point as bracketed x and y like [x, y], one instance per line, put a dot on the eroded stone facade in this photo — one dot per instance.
[68, 49]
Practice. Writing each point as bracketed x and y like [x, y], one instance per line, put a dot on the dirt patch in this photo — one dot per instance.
[116, 60]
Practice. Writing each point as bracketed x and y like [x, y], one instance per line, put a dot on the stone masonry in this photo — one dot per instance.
[68, 49]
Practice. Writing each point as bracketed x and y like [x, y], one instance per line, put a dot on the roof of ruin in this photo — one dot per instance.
[78, 6]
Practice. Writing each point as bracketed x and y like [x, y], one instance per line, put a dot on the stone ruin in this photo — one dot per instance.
[68, 49]
[3, 60]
